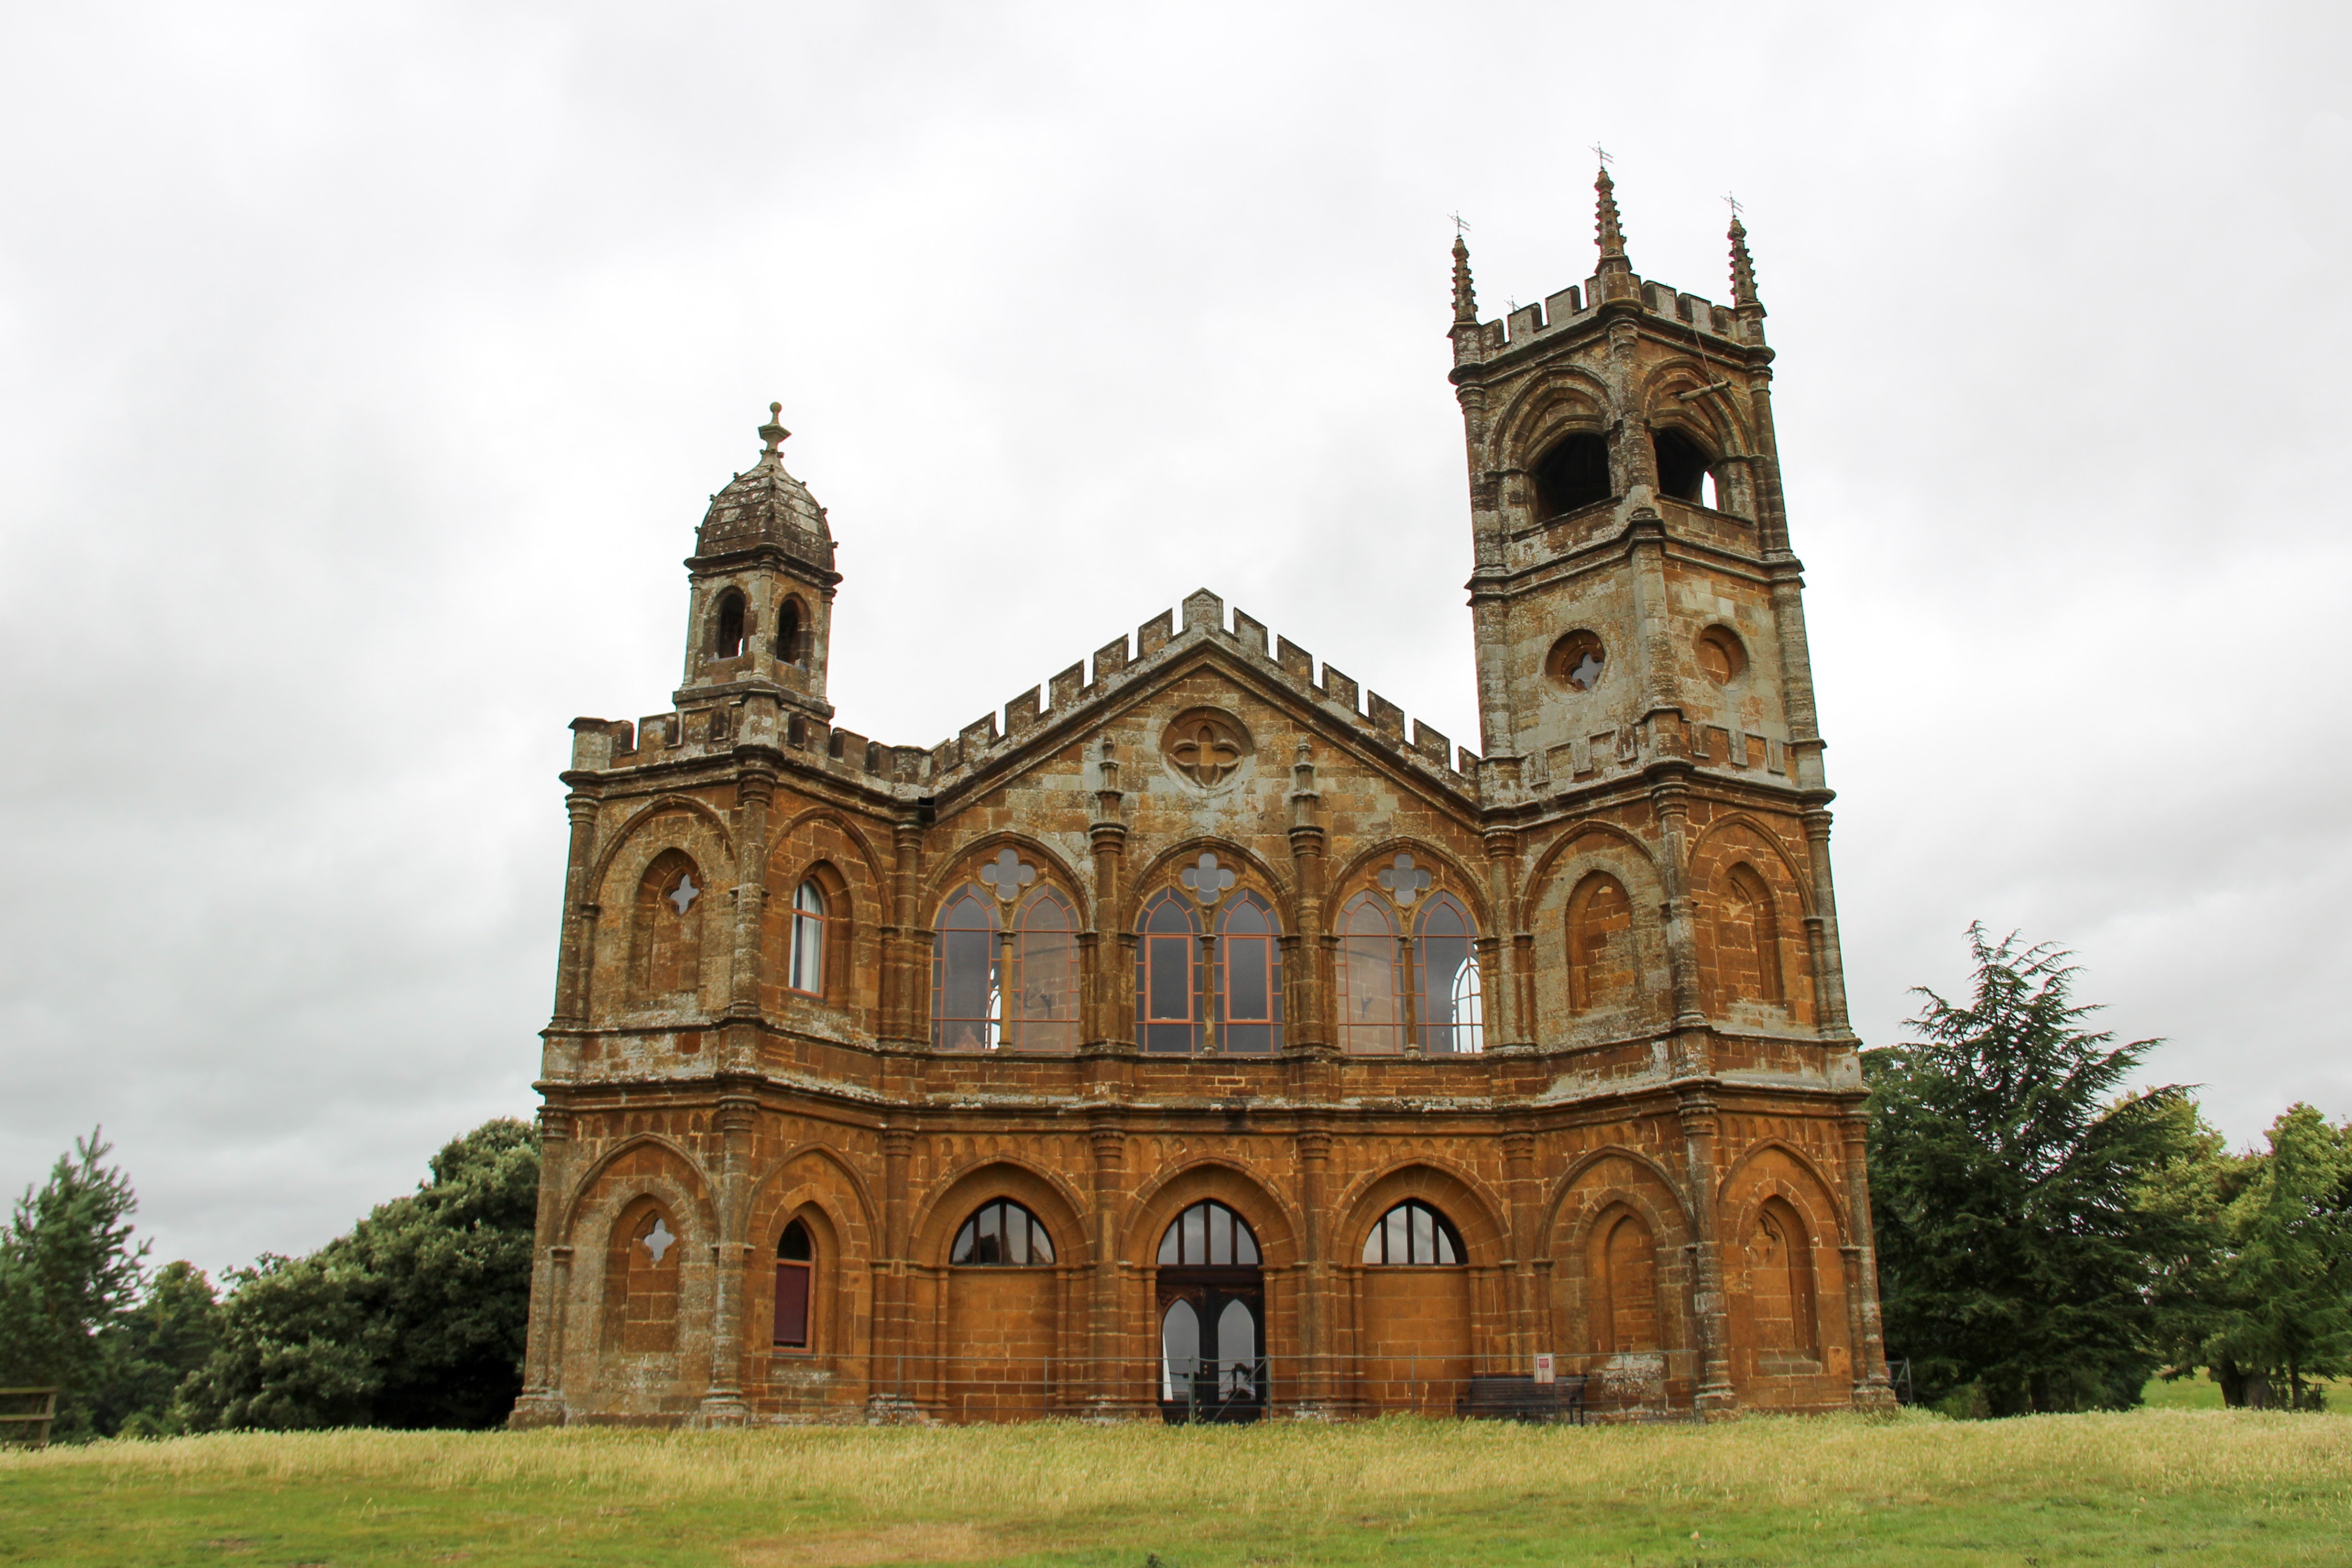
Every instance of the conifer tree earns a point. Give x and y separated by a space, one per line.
69 1273
2006 1169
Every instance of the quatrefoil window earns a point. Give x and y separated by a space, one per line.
683 894
1206 879
657 1240
1206 748
1404 881
1007 874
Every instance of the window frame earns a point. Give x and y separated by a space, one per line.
801 923
1425 1033
803 1270
1019 1030
1149 945
1398 1028
1269 944
1033 1234
1442 1234
991 1025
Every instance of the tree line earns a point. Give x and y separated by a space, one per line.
2047 1242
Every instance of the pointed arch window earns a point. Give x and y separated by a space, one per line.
1574 473
1043 1012
1209 1235
809 921
1601 968
1248 981
1445 959
730 625
1414 1234
967 993
666 943
1002 1235
1372 984
1167 1004
1748 940
791 633
795 1274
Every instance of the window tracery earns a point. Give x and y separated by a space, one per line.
1372 984
1002 1234
967 995
1414 1234
1167 1011
1248 981
1043 1014
1445 958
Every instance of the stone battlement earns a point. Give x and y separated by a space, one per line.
1117 665
1580 301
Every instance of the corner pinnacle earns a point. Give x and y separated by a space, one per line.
1466 297
1607 229
1743 267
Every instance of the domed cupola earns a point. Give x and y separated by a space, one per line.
764 505
761 615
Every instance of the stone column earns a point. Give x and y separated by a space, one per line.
1313 1145
893 1330
903 1020
576 951
1670 799
542 1404
1306 984
722 1402
1525 1243
754 789
1114 978
1708 1312
1821 928
1506 1023
1104 1374
1871 1389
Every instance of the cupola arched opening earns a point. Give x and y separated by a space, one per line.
1685 472
730 625
1574 473
791 633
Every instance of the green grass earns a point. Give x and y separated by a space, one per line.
2207 1487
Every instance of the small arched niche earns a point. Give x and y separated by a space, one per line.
1573 472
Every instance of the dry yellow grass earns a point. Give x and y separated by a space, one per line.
806 1498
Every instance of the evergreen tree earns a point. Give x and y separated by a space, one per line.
2006 1172
157 1343
69 1273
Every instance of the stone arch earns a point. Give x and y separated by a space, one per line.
663 1379
648 1156
1477 1213
1567 398
974 1181
1726 431
1162 869
1462 881
1277 1226
1566 867
822 844
1708 848
1623 1301
961 866
672 825
1784 1280
700 814
1755 960
1590 1201
813 1185
860 1215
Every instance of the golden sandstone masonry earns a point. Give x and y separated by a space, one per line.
1203 1040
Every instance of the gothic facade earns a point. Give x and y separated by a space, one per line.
1201 1038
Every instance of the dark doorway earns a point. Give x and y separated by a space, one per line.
1211 1313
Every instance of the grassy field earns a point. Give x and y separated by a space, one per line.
2208 1487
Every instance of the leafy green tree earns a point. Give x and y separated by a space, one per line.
69 1273
2277 1300
415 1319
2006 1171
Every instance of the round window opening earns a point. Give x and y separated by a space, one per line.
1721 654
1205 747
1578 661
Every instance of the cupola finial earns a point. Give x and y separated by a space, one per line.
773 431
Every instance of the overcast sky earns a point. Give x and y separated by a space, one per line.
365 370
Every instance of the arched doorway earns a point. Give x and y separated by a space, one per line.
1212 1318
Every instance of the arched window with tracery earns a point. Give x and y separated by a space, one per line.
1602 969
1445 961
1414 1234
1042 1014
1624 1279
666 942
1747 939
1248 981
728 624
641 1270
792 640
1002 1234
1167 950
967 993
1370 985
795 1282
808 943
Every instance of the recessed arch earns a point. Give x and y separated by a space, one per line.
1476 1212
1275 1225
961 866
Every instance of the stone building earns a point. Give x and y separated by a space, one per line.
1199 1038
